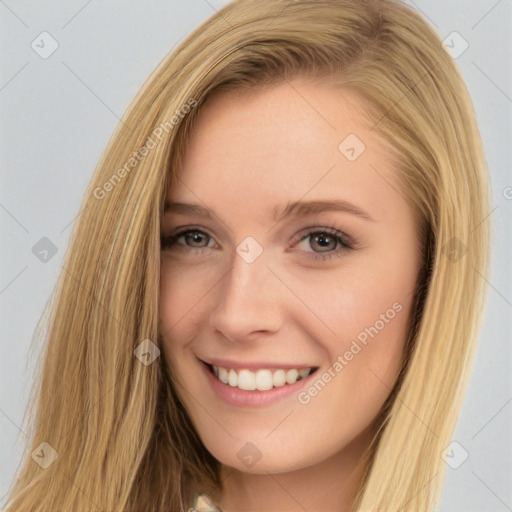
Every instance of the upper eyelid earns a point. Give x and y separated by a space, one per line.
185 229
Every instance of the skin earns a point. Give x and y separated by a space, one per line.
248 154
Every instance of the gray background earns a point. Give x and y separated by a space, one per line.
58 113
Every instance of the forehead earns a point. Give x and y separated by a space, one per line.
255 150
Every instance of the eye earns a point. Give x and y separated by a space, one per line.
329 241
197 239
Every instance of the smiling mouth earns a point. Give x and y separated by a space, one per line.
259 380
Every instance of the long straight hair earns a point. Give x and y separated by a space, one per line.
123 439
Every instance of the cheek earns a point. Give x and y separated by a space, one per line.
176 302
365 361
183 296
363 301
368 310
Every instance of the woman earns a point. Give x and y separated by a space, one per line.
208 338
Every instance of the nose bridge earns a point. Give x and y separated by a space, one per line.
248 299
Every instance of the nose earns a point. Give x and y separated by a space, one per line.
249 301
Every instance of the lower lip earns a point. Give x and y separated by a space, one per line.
240 398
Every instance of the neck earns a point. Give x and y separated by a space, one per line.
328 486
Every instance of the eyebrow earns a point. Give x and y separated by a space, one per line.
297 208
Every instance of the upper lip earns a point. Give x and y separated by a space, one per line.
254 365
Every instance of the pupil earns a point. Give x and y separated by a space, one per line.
196 237
323 240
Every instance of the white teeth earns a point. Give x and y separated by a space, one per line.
246 380
279 378
222 374
232 378
291 376
261 380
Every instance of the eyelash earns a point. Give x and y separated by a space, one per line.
338 236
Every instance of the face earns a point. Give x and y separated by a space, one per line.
284 326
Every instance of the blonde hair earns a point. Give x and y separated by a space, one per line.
123 438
